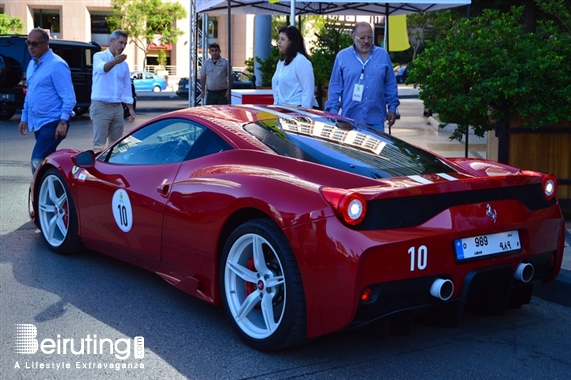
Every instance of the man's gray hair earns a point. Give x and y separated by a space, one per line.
118 33
362 23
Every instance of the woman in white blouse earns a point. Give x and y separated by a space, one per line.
293 82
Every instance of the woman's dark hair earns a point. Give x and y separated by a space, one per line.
296 44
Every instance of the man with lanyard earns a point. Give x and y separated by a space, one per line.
214 78
50 99
363 84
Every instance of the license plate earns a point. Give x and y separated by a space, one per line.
9 97
485 245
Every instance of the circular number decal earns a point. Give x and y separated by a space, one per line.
122 210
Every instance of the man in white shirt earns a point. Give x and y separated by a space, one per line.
111 87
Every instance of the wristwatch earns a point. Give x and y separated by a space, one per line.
63 121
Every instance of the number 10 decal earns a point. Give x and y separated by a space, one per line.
418 258
122 210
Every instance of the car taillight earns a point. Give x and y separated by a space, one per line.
350 206
548 183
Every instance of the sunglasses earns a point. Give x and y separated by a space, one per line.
34 43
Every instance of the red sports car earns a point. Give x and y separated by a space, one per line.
301 223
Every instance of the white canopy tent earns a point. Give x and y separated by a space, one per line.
325 7
294 8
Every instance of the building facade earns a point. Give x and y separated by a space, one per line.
86 21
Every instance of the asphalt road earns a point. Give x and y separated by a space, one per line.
78 297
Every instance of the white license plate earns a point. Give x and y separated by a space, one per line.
186 86
10 97
485 245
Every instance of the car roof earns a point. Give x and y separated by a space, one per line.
55 41
245 113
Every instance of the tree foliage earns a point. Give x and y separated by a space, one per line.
145 20
10 25
489 68
331 38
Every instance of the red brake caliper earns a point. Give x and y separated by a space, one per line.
250 286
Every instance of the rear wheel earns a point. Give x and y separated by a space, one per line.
261 287
157 89
56 214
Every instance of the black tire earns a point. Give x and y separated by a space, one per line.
6 114
56 214
246 282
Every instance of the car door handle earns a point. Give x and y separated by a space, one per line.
164 187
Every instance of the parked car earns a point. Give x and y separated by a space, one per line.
301 222
241 81
147 81
14 59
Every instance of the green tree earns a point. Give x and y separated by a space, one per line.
488 68
144 20
332 37
162 59
10 25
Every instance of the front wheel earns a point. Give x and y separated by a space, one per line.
56 214
262 290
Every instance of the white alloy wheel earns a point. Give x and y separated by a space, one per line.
56 214
261 287
255 286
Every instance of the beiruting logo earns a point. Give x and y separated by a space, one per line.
26 343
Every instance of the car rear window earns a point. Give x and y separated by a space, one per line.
345 145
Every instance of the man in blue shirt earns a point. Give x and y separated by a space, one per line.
363 83
50 97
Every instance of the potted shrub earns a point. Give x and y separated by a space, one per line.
487 73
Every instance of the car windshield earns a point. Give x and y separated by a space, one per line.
345 145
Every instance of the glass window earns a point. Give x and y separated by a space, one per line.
166 141
99 24
344 145
47 19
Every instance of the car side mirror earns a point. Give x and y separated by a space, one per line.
84 159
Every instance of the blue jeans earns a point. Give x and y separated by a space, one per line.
46 143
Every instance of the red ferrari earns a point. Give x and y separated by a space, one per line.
301 223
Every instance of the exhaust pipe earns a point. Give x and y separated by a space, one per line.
442 289
524 272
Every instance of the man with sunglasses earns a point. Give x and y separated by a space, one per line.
50 97
363 84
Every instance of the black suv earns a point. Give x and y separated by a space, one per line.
14 59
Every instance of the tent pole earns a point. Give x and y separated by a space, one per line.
292 12
192 63
230 73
